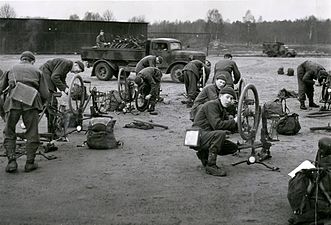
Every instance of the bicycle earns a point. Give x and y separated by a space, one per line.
79 99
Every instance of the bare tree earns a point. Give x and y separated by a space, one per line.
108 15
6 11
93 16
214 23
249 17
74 17
137 19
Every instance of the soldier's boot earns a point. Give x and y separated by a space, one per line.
30 164
189 103
212 168
10 151
151 108
203 156
312 103
302 105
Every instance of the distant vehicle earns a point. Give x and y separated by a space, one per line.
278 49
106 61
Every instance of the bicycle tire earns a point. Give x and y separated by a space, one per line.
76 105
141 103
122 84
101 102
247 131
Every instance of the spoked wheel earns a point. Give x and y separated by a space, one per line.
141 102
125 86
101 101
241 86
248 112
77 92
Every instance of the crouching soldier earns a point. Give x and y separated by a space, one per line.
215 122
151 78
28 108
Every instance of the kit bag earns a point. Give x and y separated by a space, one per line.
100 134
288 124
24 93
273 107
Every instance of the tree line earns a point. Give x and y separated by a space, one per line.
213 28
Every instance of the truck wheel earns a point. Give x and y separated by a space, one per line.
103 71
176 73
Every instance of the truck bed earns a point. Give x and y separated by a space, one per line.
112 54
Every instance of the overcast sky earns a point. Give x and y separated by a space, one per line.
158 10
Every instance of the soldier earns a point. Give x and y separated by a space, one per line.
148 61
25 73
192 73
228 67
100 40
151 77
214 122
307 72
210 92
55 72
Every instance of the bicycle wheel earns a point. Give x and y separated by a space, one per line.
77 92
248 112
241 86
141 103
122 84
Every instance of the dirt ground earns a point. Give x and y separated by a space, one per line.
153 178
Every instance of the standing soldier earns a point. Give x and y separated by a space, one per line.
27 74
228 67
55 72
151 77
192 73
307 72
148 61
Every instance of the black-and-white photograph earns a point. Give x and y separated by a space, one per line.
155 112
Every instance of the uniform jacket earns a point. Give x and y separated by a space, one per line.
227 67
147 61
55 72
25 73
213 116
100 39
210 92
194 66
308 71
152 77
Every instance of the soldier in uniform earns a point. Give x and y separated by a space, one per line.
307 72
209 92
151 78
100 40
215 122
148 61
228 67
55 72
25 73
192 73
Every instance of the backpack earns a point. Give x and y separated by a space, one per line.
116 103
100 134
288 124
273 107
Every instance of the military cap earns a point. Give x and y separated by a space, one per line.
228 90
28 55
81 65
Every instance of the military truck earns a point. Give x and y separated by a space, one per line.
277 49
107 61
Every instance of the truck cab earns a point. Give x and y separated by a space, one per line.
174 57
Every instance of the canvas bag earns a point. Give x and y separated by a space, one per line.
23 93
273 107
288 124
100 134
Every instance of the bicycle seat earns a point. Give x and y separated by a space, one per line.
87 81
57 94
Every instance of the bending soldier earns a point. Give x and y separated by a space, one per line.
150 77
55 72
307 72
228 67
27 74
192 73
214 122
148 61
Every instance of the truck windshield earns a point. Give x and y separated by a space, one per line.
175 46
